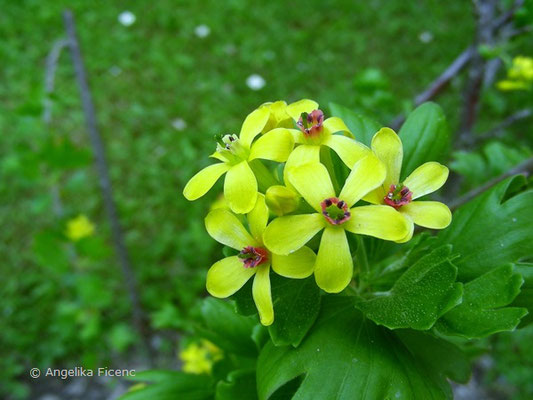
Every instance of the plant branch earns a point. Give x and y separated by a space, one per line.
525 168
498 130
105 182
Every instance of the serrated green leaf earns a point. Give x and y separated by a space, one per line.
525 297
296 306
240 385
171 385
437 353
348 357
420 296
227 329
492 230
481 313
361 126
424 136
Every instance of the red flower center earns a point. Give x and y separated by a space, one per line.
311 124
399 195
253 256
335 211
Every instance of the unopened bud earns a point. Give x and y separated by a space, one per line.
281 200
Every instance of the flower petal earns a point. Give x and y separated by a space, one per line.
426 179
312 181
334 265
367 174
388 147
275 145
204 180
335 124
347 149
302 154
258 218
225 228
376 196
262 295
240 188
287 234
409 235
297 108
297 265
429 214
227 276
383 222
253 125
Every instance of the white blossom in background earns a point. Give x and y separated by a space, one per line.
115 70
425 37
179 124
255 82
202 31
126 18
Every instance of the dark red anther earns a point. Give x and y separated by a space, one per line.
251 256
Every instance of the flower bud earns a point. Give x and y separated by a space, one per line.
281 200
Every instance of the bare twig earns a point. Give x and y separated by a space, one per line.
485 35
503 23
105 182
440 83
498 130
525 168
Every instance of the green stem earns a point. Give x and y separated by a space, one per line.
362 262
264 177
325 157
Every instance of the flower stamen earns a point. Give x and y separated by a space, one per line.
230 147
398 195
251 256
311 124
335 211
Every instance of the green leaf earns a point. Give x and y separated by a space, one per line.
50 252
244 302
420 296
361 126
348 357
492 230
424 136
227 329
437 353
480 314
171 385
525 297
296 306
240 385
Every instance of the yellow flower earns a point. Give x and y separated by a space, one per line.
519 76
283 115
426 179
79 228
198 358
335 215
235 153
230 274
315 132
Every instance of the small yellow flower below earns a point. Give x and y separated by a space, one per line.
79 228
198 358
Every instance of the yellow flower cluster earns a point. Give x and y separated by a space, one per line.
79 228
519 76
301 196
199 357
